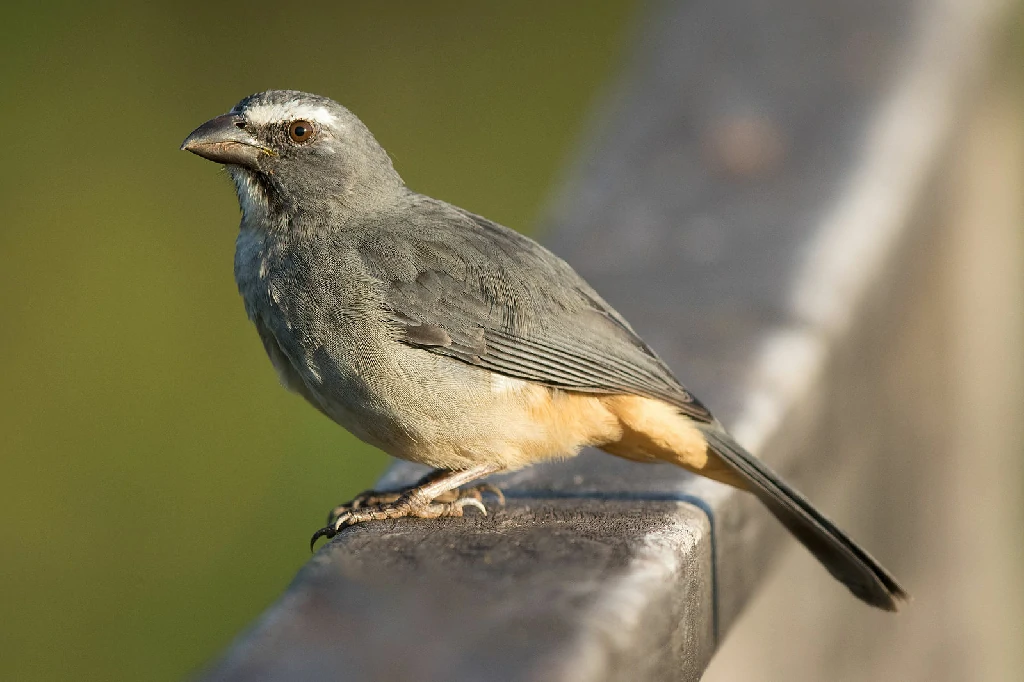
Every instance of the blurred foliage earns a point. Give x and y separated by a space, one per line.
158 486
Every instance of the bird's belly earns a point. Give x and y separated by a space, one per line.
452 415
433 410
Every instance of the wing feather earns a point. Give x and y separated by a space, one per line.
459 285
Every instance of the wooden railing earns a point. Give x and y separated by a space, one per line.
774 195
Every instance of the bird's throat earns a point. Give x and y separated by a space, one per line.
253 195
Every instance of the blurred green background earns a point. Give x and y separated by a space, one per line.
147 443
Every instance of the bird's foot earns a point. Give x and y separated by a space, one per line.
377 506
375 498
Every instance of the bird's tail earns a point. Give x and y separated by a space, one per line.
843 558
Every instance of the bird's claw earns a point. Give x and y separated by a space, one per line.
373 498
325 532
492 489
469 502
399 505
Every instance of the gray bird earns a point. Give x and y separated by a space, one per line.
446 339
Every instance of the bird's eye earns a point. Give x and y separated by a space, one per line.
300 131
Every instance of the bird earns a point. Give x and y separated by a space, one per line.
446 339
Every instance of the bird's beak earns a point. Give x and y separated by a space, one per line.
224 140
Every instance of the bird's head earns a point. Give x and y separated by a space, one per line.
293 153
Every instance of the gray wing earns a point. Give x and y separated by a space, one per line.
462 286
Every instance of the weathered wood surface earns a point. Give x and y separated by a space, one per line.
759 199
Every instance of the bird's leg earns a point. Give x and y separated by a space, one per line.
435 495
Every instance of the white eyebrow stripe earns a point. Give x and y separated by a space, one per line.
263 114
